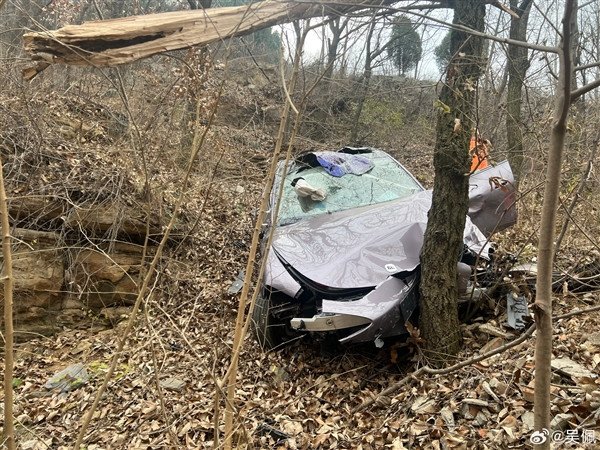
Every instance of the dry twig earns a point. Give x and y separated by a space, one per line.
195 149
8 279
467 362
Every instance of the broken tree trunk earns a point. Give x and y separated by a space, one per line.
119 41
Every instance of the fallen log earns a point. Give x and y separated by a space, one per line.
114 42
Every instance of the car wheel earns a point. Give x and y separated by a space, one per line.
266 328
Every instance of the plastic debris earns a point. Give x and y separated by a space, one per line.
517 310
238 283
68 379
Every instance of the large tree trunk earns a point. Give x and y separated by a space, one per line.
120 41
444 235
517 63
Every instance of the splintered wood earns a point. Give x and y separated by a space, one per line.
118 41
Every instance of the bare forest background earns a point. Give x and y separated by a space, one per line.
136 188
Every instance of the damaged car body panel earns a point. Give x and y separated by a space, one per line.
492 198
387 308
346 246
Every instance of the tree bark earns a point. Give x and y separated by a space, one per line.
575 54
446 220
543 300
517 65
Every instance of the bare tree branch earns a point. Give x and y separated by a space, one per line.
569 211
543 48
584 89
467 362
587 66
504 8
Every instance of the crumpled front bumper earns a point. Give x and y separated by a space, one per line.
328 322
381 313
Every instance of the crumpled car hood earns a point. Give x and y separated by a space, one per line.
360 248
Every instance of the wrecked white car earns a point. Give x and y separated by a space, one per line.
345 252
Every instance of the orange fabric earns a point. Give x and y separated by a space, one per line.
479 149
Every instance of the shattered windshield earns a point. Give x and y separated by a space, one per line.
385 181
